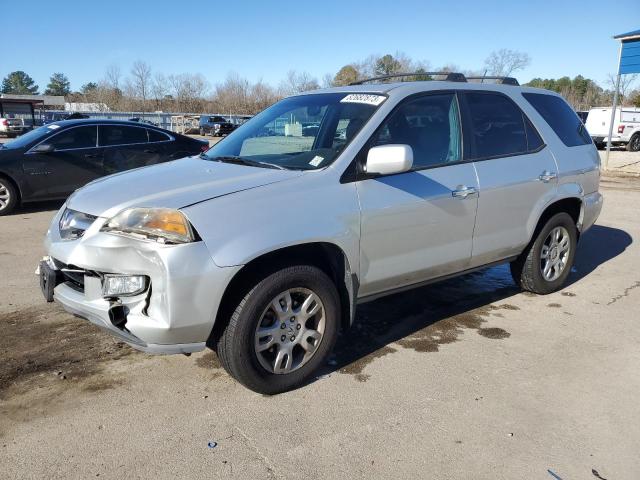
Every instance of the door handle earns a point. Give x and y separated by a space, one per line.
91 155
547 176
148 150
462 192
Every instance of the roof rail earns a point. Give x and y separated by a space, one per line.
500 80
449 77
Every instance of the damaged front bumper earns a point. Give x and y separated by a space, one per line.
175 312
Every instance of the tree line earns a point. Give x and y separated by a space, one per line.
143 90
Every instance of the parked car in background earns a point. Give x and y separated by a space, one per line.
626 127
52 161
263 246
11 126
50 117
216 126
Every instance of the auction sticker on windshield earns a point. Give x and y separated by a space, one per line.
367 98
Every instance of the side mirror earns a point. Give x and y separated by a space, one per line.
44 148
389 159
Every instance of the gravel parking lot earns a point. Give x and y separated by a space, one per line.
466 379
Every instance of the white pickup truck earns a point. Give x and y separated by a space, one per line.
12 127
626 127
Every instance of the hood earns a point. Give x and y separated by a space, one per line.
173 184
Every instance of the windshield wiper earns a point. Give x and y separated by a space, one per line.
245 161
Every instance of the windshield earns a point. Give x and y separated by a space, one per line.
304 132
31 136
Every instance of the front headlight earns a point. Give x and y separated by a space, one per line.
163 225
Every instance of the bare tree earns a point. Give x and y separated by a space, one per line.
505 62
140 83
112 76
626 82
297 82
189 91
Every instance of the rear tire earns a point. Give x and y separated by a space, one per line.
634 143
273 343
8 197
545 264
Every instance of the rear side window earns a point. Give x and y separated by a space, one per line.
156 136
560 117
497 125
121 135
79 137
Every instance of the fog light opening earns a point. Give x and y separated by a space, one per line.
118 316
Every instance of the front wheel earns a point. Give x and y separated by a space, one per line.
282 331
546 262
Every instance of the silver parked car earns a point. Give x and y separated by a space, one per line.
262 247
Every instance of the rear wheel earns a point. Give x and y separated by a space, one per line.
546 263
282 331
634 143
202 132
8 196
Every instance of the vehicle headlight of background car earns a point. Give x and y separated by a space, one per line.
163 225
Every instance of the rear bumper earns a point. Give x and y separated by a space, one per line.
591 208
615 140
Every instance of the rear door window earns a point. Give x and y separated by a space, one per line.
78 137
560 117
497 125
111 135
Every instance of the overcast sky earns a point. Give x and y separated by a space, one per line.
265 39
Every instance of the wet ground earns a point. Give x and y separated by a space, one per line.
467 378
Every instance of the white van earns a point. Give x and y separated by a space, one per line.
626 127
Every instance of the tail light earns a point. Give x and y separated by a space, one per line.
621 129
5 122
204 147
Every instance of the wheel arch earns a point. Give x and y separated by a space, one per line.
328 257
571 205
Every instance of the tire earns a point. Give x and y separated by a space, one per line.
239 343
202 132
8 197
528 269
634 143
601 146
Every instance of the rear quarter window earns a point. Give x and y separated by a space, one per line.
561 118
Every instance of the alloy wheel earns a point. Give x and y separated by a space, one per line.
290 330
5 196
555 253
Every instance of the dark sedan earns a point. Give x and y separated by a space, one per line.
51 162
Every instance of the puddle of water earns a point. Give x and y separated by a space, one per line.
426 318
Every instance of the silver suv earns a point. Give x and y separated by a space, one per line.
262 247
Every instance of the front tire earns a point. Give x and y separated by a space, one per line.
8 197
546 262
282 331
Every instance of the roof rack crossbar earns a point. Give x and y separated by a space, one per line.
499 79
449 77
